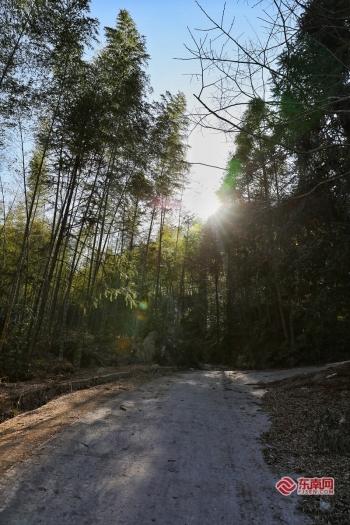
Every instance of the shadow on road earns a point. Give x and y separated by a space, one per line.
180 450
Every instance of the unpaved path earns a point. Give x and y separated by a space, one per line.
181 450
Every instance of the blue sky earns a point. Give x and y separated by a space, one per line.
164 24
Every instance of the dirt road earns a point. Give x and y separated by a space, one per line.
181 450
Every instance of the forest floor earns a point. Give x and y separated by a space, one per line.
310 435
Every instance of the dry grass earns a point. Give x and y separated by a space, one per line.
310 435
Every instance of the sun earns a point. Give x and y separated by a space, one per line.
208 205
201 200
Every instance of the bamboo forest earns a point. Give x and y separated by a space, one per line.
97 251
